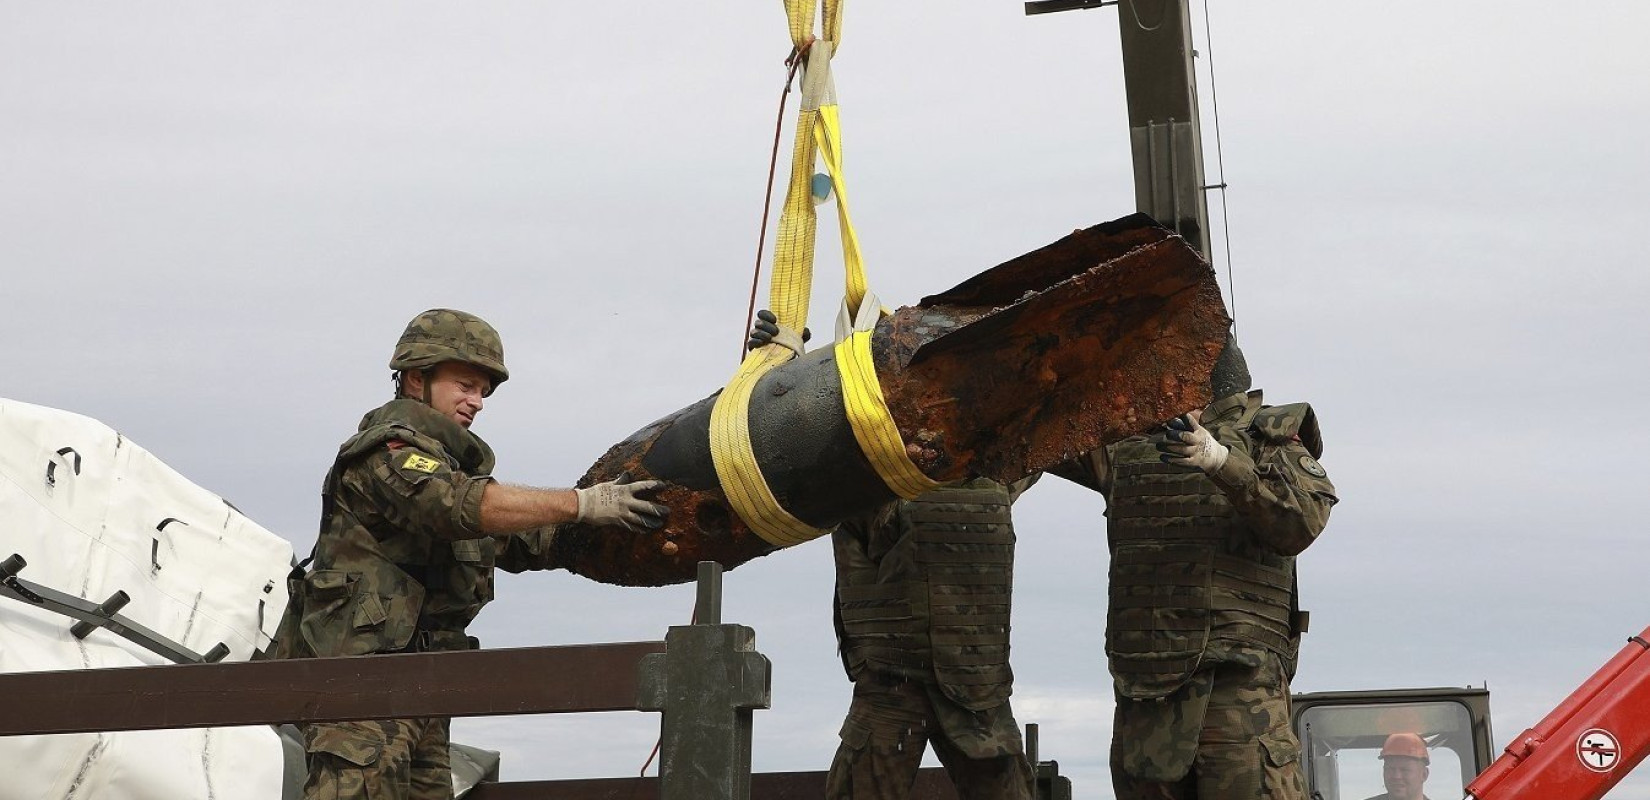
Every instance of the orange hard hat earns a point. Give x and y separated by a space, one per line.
1408 745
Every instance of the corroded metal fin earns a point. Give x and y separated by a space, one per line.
1027 365
1050 355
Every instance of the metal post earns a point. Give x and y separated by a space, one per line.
707 609
1160 84
1161 87
705 685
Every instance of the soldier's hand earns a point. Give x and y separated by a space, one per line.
768 331
617 502
1188 444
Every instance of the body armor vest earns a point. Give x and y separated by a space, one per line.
1185 571
939 607
408 591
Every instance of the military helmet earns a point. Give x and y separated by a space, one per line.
1231 372
442 334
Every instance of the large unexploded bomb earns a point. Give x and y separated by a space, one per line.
1091 339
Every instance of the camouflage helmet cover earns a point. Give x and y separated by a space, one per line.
442 334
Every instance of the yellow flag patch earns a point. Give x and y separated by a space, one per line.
420 463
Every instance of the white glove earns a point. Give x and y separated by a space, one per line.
1188 444
616 503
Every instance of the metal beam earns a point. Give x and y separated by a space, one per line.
1161 87
475 683
1034 7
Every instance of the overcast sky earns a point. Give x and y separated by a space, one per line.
217 217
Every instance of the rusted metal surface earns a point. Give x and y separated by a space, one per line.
932 784
533 680
1091 339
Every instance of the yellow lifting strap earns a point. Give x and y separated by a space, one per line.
818 132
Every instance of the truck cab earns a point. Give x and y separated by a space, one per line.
1341 735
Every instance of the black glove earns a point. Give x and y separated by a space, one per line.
768 331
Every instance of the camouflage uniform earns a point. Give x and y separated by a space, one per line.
401 565
922 618
1202 628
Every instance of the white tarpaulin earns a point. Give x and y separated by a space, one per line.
93 513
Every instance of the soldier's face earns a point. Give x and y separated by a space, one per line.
1403 777
456 391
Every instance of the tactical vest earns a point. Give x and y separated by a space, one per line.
375 588
1185 571
939 610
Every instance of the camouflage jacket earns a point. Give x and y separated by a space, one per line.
401 562
923 591
1203 566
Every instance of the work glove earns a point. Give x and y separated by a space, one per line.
617 503
769 331
1188 444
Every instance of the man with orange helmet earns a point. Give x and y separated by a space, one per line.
1404 767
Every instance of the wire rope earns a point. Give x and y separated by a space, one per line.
1220 166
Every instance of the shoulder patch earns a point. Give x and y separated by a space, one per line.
419 463
1311 466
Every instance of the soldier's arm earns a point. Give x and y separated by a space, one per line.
529 550
850 543
1280 491
1020 486
507 509
415 491
1091 470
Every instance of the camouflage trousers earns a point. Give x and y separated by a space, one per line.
891 723
1226 733
392 759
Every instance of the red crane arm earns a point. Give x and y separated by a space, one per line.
1585 745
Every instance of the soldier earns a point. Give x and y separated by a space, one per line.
412 525
1404 767
922 620
1205 518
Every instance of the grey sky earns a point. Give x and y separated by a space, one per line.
217 217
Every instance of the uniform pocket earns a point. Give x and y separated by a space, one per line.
854 735
370 611
358 743
474 576
1281 749
467 551
1281 772
343 616
327 614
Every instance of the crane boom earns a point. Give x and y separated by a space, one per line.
1587 744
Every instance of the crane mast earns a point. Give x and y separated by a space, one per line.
1160 87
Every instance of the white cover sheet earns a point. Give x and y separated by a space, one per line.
198 572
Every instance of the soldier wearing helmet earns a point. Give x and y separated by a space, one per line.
412 526
1205 516
1404 767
